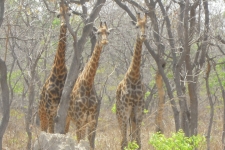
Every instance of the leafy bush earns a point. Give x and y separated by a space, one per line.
178 141
113 109
131 146
147 94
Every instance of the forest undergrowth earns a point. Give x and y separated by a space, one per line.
108 134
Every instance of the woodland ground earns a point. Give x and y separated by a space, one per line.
108 135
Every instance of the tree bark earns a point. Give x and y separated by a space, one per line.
150 97
5 100
190 77
223 96
4 87
2 8
161 102
31 95
211 105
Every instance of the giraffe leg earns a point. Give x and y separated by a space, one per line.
78 132
123 129
81 129
51 124
92 133
136 120
43 119
67 124
92 124
52 114
122 114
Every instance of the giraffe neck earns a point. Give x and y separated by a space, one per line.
134 70
59 62
92 65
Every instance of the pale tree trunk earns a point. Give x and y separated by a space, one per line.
31 95
180 88
74 69
192 84
5 100
2 8
199 61
150 97
31 98
211 105
223 96
161 102
4 88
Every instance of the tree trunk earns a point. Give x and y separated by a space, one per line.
150 97
223 96
211 105
5 100
4 87
161 102
31 95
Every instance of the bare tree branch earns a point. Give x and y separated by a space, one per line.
51 11
220 39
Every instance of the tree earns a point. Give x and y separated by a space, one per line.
4 87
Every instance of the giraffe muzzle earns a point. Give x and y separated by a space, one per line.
143 37
105 42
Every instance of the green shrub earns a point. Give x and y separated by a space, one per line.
113 109
178 141
131 146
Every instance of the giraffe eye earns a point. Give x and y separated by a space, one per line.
137 27
98 33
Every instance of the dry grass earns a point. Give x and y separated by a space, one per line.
108 136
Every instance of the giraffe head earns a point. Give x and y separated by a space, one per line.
102 33
141 25
64 9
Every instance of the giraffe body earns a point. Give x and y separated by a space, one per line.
52 89
84 104
130 93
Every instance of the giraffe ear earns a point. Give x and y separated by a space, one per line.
110 29
58 14
95 29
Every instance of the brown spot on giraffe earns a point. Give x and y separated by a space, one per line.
84 105
130 92
52 89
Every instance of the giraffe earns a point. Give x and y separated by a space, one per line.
83 99
52 89
130 91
